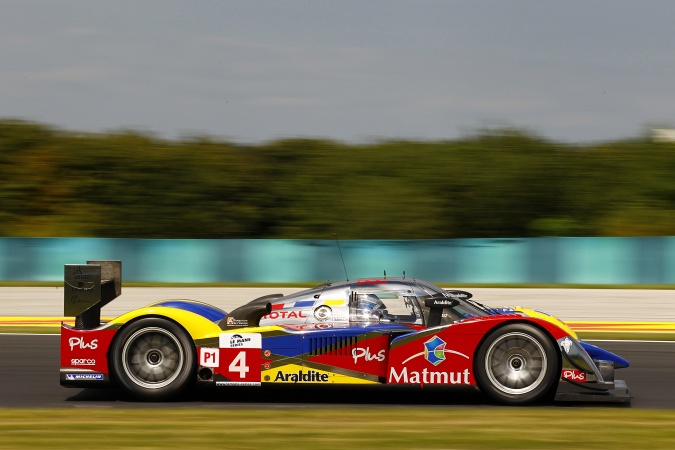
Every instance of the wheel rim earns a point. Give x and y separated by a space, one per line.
152 357
516 363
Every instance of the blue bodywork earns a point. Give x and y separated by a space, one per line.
598 353
207 311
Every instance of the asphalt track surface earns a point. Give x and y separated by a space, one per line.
29 377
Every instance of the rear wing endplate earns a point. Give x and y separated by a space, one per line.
89 287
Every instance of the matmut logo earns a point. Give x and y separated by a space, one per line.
435 353
434 350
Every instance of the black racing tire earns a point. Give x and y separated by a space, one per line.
153 359
517 364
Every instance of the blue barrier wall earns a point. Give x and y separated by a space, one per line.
537 260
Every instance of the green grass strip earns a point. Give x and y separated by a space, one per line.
356 428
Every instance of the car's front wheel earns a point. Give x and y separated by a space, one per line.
517 364
153 359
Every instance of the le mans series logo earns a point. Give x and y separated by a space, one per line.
434 352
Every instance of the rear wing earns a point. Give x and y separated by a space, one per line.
89 287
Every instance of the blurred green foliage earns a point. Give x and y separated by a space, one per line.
497 183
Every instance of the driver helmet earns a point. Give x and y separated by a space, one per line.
367 304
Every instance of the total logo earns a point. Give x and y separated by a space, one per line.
80 343
285 315
435 353
364 353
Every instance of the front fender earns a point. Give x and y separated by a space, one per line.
548 318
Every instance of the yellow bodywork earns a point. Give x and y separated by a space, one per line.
197 326
292 373
552 319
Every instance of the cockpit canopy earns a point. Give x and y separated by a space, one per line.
396 300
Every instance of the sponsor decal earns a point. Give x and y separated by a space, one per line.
84 376
78 274
80 343
209 357
323 313
574 375
231 321
443 302
311 376
434 350
457 294
310 326
239 358
82 362
274 315
240 340
373 281
427 377
434 353
267 353
237 340
437 345
238 383
566 344
364 353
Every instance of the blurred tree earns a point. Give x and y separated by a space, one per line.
498 183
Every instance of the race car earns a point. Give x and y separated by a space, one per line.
383 331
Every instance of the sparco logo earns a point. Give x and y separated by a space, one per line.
80 343
82 362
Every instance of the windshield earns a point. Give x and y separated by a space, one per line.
464 310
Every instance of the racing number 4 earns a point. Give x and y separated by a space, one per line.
238 365
240 359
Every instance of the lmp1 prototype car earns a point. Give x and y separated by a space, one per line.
386 331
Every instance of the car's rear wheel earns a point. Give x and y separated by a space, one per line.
153 359
517 364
